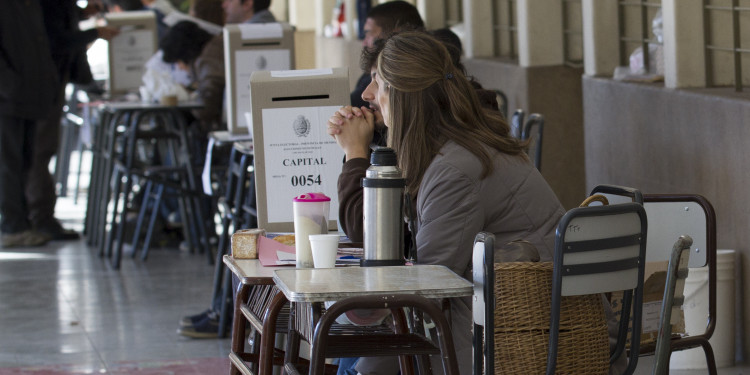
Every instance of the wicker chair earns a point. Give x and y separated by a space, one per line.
597 249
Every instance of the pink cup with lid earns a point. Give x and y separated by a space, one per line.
311 212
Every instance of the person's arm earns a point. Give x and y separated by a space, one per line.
209 76
351 198
353 129
450 216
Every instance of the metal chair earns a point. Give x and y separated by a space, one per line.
671 216
516 123
502 102
533 130
672 301
598 249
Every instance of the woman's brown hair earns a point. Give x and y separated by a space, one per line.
432 102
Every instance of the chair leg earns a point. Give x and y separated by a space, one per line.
141 217
152 221
225 295
117 248
106 245
219 265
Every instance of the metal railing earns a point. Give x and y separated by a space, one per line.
505 28
644 33
454 13
572 33
735 49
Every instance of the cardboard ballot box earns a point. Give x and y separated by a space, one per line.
130 50
293 152
249 48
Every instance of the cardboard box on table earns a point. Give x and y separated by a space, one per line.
293 152
248 48
130 49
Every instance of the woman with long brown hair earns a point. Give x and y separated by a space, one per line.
466 172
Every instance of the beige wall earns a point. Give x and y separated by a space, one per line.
675 141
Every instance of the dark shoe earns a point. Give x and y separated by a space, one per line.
207 328
55 231
192 320
27 238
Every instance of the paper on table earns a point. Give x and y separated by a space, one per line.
269 250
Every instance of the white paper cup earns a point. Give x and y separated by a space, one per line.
324 247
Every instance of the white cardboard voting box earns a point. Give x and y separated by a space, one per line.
293 152
248 48
130 49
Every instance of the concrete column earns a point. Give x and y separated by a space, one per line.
280 10
432 12
305 15
684 53
540 36
601 54
478 29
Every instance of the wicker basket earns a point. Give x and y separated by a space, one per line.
522 294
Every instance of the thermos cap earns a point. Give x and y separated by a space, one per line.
312 197
383 156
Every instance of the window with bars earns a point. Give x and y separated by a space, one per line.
505 28
572 17
635 28
454 13
727 54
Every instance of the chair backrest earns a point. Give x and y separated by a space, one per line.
671 216
672 301
533 130
516 123
601 249
502 102
618 194
483 303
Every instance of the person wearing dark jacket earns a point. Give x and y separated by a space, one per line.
28 84
67 45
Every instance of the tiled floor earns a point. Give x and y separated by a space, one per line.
63 310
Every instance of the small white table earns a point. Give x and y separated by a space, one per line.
389 287
331 284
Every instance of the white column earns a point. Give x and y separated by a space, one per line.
478 35
319 10
540 35
684 53
601 53
279 10
432 12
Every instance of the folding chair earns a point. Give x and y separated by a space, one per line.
671 216
532 130
598 249
672 301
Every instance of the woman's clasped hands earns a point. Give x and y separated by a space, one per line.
353 129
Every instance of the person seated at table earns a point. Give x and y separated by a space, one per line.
349 187
462 167
196 51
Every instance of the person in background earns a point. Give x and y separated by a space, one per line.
27 95
206 323
194 50
349 187
67 45
248 11
381 21
464 170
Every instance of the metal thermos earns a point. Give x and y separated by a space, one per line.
383 210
